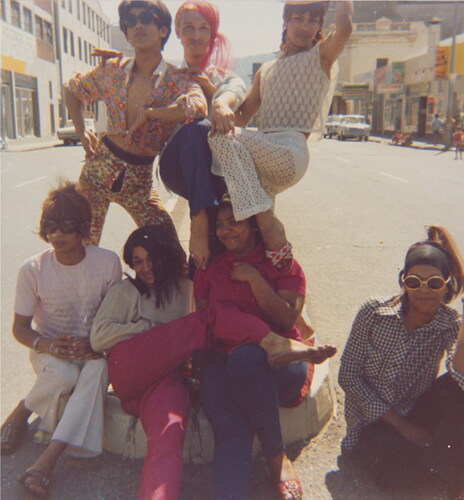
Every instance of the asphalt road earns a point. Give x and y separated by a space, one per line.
351 219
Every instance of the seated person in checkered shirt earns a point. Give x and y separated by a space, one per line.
405 425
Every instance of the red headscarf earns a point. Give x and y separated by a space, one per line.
220 50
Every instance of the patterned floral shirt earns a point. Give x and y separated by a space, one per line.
383 367
110 81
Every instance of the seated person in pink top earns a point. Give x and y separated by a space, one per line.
241 392
57 295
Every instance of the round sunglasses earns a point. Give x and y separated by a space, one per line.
66 226
413 282
145 17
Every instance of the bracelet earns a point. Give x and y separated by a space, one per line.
34 344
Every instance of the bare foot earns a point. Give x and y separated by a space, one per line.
282 351
199 244
285 477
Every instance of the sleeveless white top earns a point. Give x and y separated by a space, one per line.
296 94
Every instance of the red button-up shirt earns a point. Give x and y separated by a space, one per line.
215 283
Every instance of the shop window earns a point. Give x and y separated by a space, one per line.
15 14
25 111
7 112
27 20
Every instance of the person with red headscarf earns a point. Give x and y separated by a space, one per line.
185 164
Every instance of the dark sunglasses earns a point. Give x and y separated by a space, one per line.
145 17
413 282
66 226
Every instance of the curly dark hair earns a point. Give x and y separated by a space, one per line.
167 258
157 7
66 202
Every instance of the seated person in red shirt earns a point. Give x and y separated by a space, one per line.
241 393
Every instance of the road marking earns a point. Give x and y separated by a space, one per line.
400 179
31 181
342 159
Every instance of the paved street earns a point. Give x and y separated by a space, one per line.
350 219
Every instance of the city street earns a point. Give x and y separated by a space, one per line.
351 220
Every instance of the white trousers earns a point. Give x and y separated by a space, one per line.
80 424
256 166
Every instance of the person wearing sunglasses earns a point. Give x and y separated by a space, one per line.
404 422
57 295
117 170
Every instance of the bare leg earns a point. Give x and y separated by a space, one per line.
272 230
199 244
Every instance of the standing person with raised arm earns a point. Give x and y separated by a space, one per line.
57 295
293 95
115 169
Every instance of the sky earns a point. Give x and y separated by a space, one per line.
252 26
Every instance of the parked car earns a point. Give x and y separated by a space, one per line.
353 127
68 133
331 125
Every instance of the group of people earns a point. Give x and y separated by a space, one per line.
86 327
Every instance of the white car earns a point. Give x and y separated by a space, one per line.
353 127
68 133
331 125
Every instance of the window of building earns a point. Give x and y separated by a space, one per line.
79 47
86 58
71 42
93 20
400 26
63 4
50 90
84 12
65 40
70 8
366 27
39 30
25 111
3 6
27 20
15 14
48 32
78 9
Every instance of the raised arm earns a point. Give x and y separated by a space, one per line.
251 104
333 45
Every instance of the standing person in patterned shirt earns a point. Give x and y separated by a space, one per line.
293 95
115 170
404 424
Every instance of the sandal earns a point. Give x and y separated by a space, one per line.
36 483
290 490
12 433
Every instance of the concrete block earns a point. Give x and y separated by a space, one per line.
124 434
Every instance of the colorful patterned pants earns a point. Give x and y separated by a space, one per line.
133 191
256 166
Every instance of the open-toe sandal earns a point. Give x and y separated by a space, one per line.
12 433
290 490
36 483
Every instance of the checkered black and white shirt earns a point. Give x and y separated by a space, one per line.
383 367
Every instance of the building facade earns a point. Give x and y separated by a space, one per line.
43 42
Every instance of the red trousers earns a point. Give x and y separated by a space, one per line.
144 373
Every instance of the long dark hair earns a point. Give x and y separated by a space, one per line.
317 9
167 259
